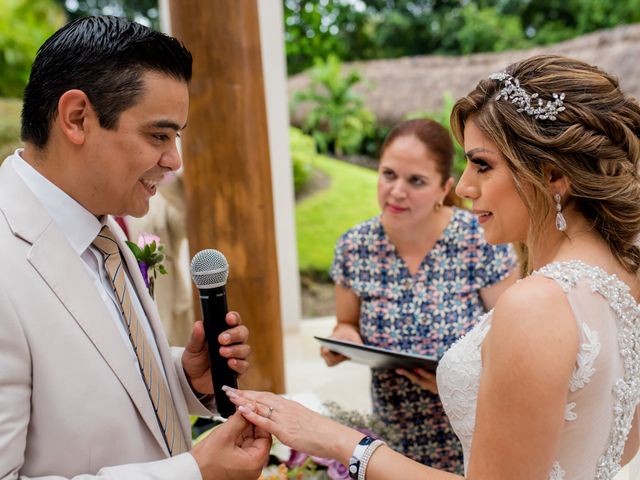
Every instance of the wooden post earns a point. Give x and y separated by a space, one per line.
227 169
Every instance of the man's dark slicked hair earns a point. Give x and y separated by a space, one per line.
103 56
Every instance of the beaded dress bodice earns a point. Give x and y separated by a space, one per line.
604 391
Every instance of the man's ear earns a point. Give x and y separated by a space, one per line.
558 183
74 110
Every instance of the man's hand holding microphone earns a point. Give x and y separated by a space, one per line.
217 351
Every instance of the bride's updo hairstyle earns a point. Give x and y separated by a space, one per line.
590 135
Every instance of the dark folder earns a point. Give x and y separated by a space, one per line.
377 357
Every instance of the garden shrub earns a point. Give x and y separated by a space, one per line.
303 151
24 26
9 126
337 119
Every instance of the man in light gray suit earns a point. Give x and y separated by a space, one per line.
88 384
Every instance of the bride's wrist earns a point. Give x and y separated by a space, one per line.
343 443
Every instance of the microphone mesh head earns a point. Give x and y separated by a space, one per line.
209 269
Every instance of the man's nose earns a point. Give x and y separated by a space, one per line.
171 159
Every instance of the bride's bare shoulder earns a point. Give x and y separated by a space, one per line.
534 313
535 293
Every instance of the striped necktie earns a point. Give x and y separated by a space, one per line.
151 372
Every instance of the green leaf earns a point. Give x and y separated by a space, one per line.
137 252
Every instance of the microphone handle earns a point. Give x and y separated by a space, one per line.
214 310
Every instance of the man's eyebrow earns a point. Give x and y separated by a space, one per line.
166 124
473 151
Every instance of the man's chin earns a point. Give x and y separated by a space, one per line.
136 211
139 213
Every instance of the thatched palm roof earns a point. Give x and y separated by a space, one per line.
396 87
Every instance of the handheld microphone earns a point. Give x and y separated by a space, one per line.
209 270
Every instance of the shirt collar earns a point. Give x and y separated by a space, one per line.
79 226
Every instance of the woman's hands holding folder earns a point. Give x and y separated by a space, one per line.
421 377
348 324
342 331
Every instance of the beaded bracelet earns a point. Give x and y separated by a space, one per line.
366 456
360 456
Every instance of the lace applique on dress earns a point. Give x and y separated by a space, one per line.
587 355
557 473
584 369
626 391
459 383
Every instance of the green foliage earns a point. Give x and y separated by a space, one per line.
442 117
152 255
372 143
24 26
9 126
303 151
485 31
145 12
363 30
315 29
324 216
301 174
338 120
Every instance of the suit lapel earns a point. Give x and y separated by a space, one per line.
64 272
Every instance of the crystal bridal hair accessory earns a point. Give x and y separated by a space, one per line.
511 90
561 223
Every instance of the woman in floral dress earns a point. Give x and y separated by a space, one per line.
414 279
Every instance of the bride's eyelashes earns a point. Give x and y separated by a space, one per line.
481 165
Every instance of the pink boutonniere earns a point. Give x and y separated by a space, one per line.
149 253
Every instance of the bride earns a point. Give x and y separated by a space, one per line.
547 385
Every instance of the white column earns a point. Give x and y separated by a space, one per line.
165 18
275 83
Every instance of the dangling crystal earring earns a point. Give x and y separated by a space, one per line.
561 223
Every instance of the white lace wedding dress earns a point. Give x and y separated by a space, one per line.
604 391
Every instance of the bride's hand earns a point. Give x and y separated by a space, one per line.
421 377
295 425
